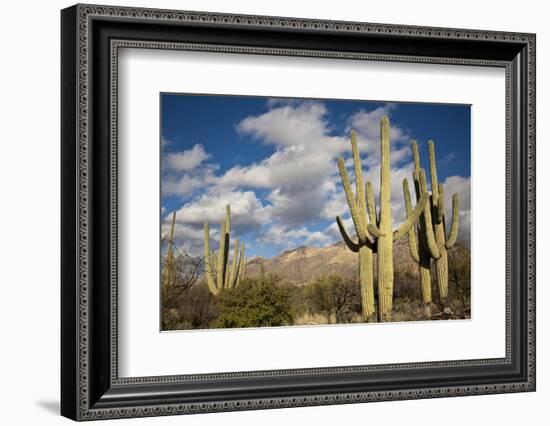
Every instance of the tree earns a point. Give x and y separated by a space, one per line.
187 270
334 295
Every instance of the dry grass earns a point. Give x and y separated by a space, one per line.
314 319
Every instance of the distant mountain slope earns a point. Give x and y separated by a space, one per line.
304 264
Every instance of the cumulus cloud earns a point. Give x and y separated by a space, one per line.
367 126
184 185
461 186
286 238
186 160
279 198
367 123
247 211
301 171
302 174
186 237
288 125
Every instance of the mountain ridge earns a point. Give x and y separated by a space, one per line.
304 264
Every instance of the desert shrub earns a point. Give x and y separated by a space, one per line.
334 296
194 308
459 279
186 271
256 302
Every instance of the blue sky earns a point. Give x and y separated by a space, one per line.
274 161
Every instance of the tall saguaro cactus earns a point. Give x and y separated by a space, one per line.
438 221
168 272
382 231
219 273
368 225
424 247
364 247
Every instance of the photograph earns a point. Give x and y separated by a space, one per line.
343 202
305 212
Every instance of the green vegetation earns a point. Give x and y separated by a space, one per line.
333 299
255 303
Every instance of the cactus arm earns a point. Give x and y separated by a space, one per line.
227 247
227 219
404 228
430 237
244 263
359 183
208 261
243 260
353 246
371 205
213 264
241 267
441 204
227 274
234 265
433 173
416 156
220 268
416 180
413 244
355 215
454 225
385 218
373 230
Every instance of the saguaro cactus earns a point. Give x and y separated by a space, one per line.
378 228
169 272
381 227
424 247
438 222
219 274
364 247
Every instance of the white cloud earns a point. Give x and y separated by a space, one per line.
333 231
367 124
461 186
285 237
335 204
182 186
288 125
186 160
302 172
247 211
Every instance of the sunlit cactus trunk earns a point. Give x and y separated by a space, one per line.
363 246
438 220
385 239
169 273
219 274
366 280
383 232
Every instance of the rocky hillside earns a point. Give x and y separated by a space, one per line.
304 264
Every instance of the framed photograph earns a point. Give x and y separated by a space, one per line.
263 212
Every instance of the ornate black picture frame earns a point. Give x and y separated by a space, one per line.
91 36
